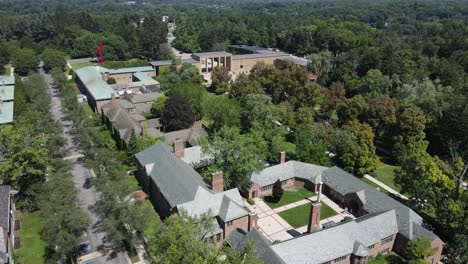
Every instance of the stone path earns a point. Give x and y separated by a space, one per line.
384 186
276 228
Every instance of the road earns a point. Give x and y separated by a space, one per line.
87 197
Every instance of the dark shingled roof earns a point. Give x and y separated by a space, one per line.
177 181
239 239
4 206
376 201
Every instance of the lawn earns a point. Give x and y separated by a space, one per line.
132 183
153 220
299 216
81 64
32 247
386 174
289 196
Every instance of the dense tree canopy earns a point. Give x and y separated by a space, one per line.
177 114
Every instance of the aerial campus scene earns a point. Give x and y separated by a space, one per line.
233 131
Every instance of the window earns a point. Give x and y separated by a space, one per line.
218 237
328 262
385 251
387 240
339 259
229 223
242 66
371 246
284 182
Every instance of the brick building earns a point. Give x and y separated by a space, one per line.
7 225
173 185
382 225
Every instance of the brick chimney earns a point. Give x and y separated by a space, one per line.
217 182
314 218
253 217
282 157
179 148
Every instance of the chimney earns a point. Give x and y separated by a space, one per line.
314 218
179 148
253 217
282 157
217 182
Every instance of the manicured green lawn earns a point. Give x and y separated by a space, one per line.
386 175
299 216
32 247
153 220
289 196
81 64
132 183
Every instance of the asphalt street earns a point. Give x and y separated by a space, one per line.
87 196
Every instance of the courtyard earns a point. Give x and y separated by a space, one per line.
289 217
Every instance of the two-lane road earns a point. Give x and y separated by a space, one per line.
87 196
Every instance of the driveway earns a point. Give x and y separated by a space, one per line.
87 197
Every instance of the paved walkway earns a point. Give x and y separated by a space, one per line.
276 228
383 185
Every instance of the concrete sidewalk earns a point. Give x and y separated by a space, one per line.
384 186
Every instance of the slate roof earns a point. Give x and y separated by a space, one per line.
7 80
91 77
288 170
191 135
177 181
328 244
239 239
3 250
4 206
226 205
121 120
7 92
374 200
6 112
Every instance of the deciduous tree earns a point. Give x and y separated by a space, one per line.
177 114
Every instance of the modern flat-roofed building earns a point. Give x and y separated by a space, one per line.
7 96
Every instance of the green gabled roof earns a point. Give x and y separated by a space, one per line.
6 112
130 70
91 77
7 80
145 79
7 92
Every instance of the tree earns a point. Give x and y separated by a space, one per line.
260 113
182 240
410 137
419 249
352 109
373 84
244 86
220 79
381 115
158 106
236 155
53 59
277 191
320 63
334 95
132 148
313 144
177 114
380 259
221 111
24 61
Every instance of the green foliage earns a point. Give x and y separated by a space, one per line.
192 93
235 154
24 61
251 201
53 58
244 86
214 109
111 81
380 259
277 191
313 144
351 109
158 106
419 249
132 148
176 114
220 80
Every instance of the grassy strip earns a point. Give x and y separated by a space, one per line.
299 216
289 196
32 247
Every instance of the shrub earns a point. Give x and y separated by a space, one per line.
251 201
